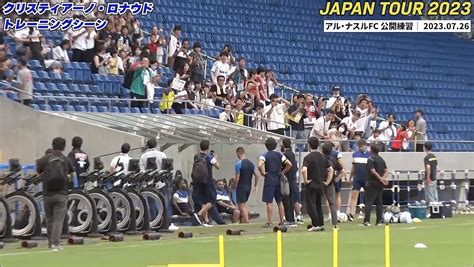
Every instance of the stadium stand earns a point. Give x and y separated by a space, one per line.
400 72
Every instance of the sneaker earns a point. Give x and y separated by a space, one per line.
55 248
197 219
290 224
366 224
207 225
299 219
314 229
173 227
322 229
350 217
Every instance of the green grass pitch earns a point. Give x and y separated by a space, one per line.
450 243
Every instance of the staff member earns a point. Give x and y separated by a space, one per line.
317 173
291 203
431 164
244 170
55 168
378 174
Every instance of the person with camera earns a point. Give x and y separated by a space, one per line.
271 81
321 126
198 63
296 116
351 123
336 95
275 114
182 56
240 75
388 130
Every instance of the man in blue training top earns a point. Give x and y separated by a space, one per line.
244 170
359 176
224 203
270 165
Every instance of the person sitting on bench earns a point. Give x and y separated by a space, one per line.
181 204
224 204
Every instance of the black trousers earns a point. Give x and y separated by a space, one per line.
280 131
419 148
314 205
373 195
137 104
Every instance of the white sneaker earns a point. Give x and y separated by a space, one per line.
173 227
314 229
207 225
56 248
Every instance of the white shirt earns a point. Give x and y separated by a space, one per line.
372 139
173 45
260 123
79 39
224 116
271 87
277 117
60 54
22 34
90 42
351 125
152 153
332 101
123 159
389 133
120 63
218 69
321 126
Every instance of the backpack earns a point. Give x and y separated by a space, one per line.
284 185
200 173
55 174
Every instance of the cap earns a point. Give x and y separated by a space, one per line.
336 88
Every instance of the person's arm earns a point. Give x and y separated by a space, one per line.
427 174
41 165
352 172
261 166
304 174
316 131
215 163
286 102
330 174
255 183
238 165
269 112
288 166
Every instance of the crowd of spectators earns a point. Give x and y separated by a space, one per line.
244 96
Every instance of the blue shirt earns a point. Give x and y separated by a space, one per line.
335 156
245 169
359 160
273 163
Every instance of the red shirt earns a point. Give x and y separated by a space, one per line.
261 87
153 47
311 111
398 140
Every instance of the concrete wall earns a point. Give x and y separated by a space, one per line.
26 133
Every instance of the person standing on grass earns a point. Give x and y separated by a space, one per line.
204 189
56 170
333 190
291 203
378 174
359 175
317 173
244 170
431 165
270 166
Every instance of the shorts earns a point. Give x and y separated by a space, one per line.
271 192
242 194
357 184
204 192
338 186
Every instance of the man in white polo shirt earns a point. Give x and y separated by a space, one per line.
275 114
321 126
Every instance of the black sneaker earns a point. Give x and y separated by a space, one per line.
366 224
350 217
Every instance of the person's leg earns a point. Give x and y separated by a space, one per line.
431 192
353 196
278 199
319 208
59 212
379 207
48 212
235 215
244 213
311 205
267 198
370 196
331 200
337 189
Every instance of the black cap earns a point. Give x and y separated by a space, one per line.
336 88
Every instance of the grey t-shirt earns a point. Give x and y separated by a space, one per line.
421 130
25 79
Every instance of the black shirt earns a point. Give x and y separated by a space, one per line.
220 92
80 160
291 175
431 160
376 162
41 166
317 165
296 126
